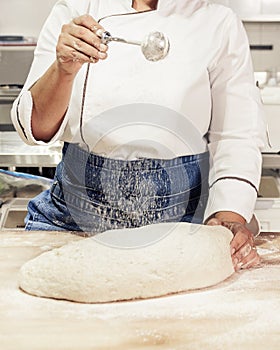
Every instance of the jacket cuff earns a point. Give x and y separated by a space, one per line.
21 117
231 195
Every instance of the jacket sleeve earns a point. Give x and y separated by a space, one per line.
237 129
44 56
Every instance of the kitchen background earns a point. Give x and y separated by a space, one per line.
261 19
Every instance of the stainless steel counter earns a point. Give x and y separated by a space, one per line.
15 153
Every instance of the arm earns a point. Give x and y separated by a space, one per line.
39 112
77 44
50 95
236 135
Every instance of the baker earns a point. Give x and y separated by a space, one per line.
145 142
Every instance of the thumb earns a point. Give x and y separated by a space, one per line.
214 222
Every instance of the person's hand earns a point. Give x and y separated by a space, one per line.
79 43
243 250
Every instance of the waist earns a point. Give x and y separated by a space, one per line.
80 156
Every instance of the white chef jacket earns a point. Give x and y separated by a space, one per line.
202 96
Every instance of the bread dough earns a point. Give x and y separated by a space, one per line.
188 257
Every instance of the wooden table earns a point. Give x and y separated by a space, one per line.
240 313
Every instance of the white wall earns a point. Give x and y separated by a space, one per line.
251 7
270 6
24 17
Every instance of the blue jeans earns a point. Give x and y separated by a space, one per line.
91 193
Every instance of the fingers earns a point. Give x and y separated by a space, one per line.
244 256
86 33
243 251
251 260
242 236
214 222
79 42
86 21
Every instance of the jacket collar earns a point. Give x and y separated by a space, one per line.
183 7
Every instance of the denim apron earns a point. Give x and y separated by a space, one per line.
92 193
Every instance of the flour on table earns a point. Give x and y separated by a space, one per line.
188 257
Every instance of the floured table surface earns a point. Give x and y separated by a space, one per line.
240 313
